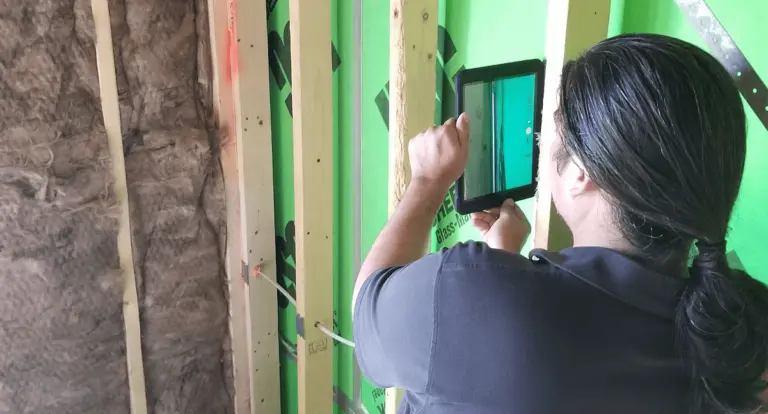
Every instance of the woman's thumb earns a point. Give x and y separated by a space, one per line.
508 208
462 127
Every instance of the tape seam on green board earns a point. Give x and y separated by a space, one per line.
724 48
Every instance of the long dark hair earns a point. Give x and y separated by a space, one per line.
660 128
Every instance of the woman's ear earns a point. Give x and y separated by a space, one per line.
577 179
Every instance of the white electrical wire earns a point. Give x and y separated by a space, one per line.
290 298
276 285
330 333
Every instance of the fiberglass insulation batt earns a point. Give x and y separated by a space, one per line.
62 346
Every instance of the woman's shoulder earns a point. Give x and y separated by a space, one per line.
478 255
470 263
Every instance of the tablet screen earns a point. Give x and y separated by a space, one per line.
501 137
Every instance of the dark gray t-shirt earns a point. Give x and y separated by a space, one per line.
477 330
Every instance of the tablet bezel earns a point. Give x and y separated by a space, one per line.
488 74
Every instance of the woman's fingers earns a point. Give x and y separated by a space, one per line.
485 216
483 221
482 226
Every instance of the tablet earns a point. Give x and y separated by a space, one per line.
504 105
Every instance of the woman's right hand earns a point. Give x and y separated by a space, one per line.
504 228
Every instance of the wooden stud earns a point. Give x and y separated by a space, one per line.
105 60
241 81
250 75
224 107
572 27
412 74
310 22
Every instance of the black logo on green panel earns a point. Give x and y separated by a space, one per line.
271 4
286 271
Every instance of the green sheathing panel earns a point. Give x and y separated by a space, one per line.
471 34
745 22
374 111
282 160
344 178
282 137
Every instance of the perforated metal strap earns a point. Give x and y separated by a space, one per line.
722 46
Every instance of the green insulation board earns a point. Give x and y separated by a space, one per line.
471 34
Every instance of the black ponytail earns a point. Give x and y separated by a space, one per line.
721 322
660 128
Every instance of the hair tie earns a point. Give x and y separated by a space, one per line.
707 247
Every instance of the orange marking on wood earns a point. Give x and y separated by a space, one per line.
231 64
232 48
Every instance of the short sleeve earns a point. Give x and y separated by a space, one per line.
394 324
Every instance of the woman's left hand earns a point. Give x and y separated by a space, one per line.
504 228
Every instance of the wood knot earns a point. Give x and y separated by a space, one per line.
425 16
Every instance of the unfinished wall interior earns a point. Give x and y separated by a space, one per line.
61 303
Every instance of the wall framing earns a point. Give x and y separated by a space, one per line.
412 75
110 108
572 27
312 85
240 80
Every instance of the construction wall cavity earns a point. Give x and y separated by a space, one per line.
61 300
61 322
471 34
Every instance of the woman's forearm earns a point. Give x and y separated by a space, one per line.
405 237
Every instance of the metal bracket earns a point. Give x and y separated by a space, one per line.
244 273
341 399
722 47
734 262
299 325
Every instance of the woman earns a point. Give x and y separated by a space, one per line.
647 163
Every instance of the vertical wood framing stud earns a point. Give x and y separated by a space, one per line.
253 127
310 23
218 15
412 74
105 60
239 54
572 27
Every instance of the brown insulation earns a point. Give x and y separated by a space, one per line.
61 330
